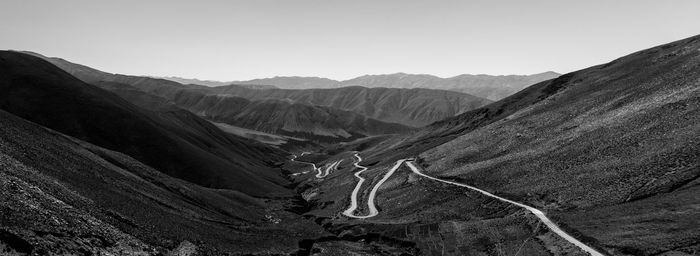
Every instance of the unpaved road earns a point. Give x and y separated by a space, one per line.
415 169
372 194
549 223
294 157
333 166
320 172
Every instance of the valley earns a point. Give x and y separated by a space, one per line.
599 161
572 166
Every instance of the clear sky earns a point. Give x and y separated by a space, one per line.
245 39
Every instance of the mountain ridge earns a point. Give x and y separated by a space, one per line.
409 107
414 107
493 87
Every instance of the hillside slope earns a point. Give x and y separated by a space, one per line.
185 147
61 195
411 107
611 151
614 143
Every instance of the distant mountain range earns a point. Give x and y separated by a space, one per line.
484 86
338 114
285 117
109 164
181 80
412 107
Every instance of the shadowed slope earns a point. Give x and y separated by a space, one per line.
35 89
65 196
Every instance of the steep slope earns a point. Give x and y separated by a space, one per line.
184 147
61 195
610 148
412 107
610 152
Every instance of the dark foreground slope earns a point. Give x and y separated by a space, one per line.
185 147
60 195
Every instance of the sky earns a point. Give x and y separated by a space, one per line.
244 39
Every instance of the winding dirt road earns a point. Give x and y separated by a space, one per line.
372 194
539 214
333 166
294 157
320 172
409 162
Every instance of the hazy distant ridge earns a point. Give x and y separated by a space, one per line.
485 86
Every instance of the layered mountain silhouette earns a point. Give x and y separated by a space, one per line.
196 81
411 107
294 82
355 107
484 86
